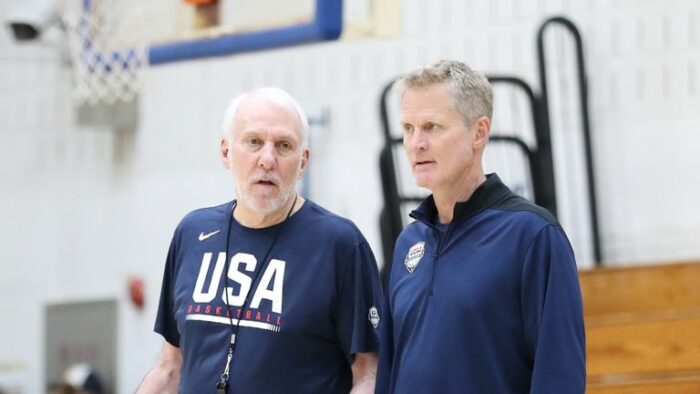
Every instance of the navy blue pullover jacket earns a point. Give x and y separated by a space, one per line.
490 303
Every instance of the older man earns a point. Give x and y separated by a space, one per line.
269 293
483 294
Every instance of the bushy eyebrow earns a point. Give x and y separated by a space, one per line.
289 137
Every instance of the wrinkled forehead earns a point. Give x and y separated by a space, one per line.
430 100
259 113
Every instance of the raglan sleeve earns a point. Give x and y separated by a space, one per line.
165 324
553 314
357 313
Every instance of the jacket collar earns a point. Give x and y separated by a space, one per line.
487 194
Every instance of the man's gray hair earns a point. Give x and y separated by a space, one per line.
277 96
470 89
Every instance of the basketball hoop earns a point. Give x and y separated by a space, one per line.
111 42
106 58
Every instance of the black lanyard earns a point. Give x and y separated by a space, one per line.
222 384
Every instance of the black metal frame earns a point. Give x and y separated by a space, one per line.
585 117
542 165
540 158
390 220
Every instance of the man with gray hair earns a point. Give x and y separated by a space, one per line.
268 293
483 293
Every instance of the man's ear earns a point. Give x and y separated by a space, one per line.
482 130
223 153
304 161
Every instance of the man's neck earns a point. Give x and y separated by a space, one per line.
251 218
445 200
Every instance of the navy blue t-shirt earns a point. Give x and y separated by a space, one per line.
490 305
309 309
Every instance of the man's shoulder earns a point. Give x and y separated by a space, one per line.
529 220
208 219
207 213
329 223
526 210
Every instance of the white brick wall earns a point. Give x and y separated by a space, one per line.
84 208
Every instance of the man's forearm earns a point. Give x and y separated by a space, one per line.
364 373
365 384
160 380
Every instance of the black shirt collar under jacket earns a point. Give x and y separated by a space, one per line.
486 195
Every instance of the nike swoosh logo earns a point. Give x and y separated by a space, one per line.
203 236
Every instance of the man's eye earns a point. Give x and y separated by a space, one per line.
285 146
430 126
407 128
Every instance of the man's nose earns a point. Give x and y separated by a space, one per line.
267 159
417 141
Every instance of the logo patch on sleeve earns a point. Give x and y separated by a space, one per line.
414 255
373 317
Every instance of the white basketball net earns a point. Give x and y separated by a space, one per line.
106 53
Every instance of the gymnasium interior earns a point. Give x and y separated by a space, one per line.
110 121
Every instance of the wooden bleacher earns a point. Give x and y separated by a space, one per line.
643 329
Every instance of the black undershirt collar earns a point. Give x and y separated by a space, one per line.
487 194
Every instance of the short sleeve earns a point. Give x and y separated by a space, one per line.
553 314
357 311
166 325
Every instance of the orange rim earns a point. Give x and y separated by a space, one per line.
199 2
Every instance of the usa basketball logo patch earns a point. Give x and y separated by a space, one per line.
373 316
414 255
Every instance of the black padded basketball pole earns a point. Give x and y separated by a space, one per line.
585 119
